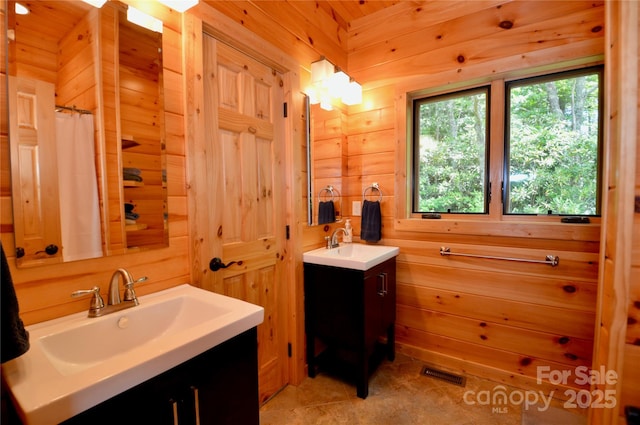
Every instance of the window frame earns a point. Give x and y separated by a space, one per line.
419 100
554 76
494 223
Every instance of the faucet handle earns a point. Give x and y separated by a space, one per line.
97 302
129 292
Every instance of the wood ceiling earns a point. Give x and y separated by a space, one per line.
345 11
66 13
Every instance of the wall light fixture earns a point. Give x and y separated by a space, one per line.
329 84
21 9
95 3
179 5
146 21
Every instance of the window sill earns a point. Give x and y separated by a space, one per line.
518 227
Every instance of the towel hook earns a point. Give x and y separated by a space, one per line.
374 186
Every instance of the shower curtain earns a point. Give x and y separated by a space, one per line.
79 207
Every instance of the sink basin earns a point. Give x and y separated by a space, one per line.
355 256
74 349
76 362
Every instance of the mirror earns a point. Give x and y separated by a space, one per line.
326 163
70 191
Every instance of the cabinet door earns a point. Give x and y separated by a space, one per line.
380 301
373 302
388 275
333 304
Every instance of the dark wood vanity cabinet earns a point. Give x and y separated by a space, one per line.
220 386
351 315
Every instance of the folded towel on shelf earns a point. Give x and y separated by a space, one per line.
326 212
131 170
371 223
15 338
131 177
131 216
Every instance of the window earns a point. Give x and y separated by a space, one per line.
551 139
553 144
450 152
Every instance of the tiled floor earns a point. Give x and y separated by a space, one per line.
399 394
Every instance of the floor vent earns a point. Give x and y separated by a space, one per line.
444 376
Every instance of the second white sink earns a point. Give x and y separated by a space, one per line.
355 256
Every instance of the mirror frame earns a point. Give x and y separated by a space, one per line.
333 139
107 138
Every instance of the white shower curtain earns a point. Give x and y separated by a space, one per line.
79 207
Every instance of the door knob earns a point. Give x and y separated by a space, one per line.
217 264
51 249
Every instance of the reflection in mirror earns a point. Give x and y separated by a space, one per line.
327 163
68 65
142 135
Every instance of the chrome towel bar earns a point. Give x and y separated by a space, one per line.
552 260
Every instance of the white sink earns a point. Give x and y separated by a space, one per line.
76 362
355 256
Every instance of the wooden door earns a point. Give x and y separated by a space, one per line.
34 171
244 127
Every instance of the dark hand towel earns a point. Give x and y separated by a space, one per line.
15 339
326 212
371 224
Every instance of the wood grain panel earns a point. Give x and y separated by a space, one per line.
464 357
553 292
631 377
457 31
558 348
408 17
304 47
529 38
538 317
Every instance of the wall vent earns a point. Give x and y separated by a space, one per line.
444 376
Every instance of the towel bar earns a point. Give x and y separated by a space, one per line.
552 260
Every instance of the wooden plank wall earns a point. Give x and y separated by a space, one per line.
618 330
43 292
497 319
631 375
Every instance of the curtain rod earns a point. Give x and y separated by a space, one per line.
74 109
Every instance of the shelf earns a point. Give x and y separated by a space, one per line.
128 142
132 183
134 227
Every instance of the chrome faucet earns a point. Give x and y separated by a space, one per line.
127 283
332 241
97 307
